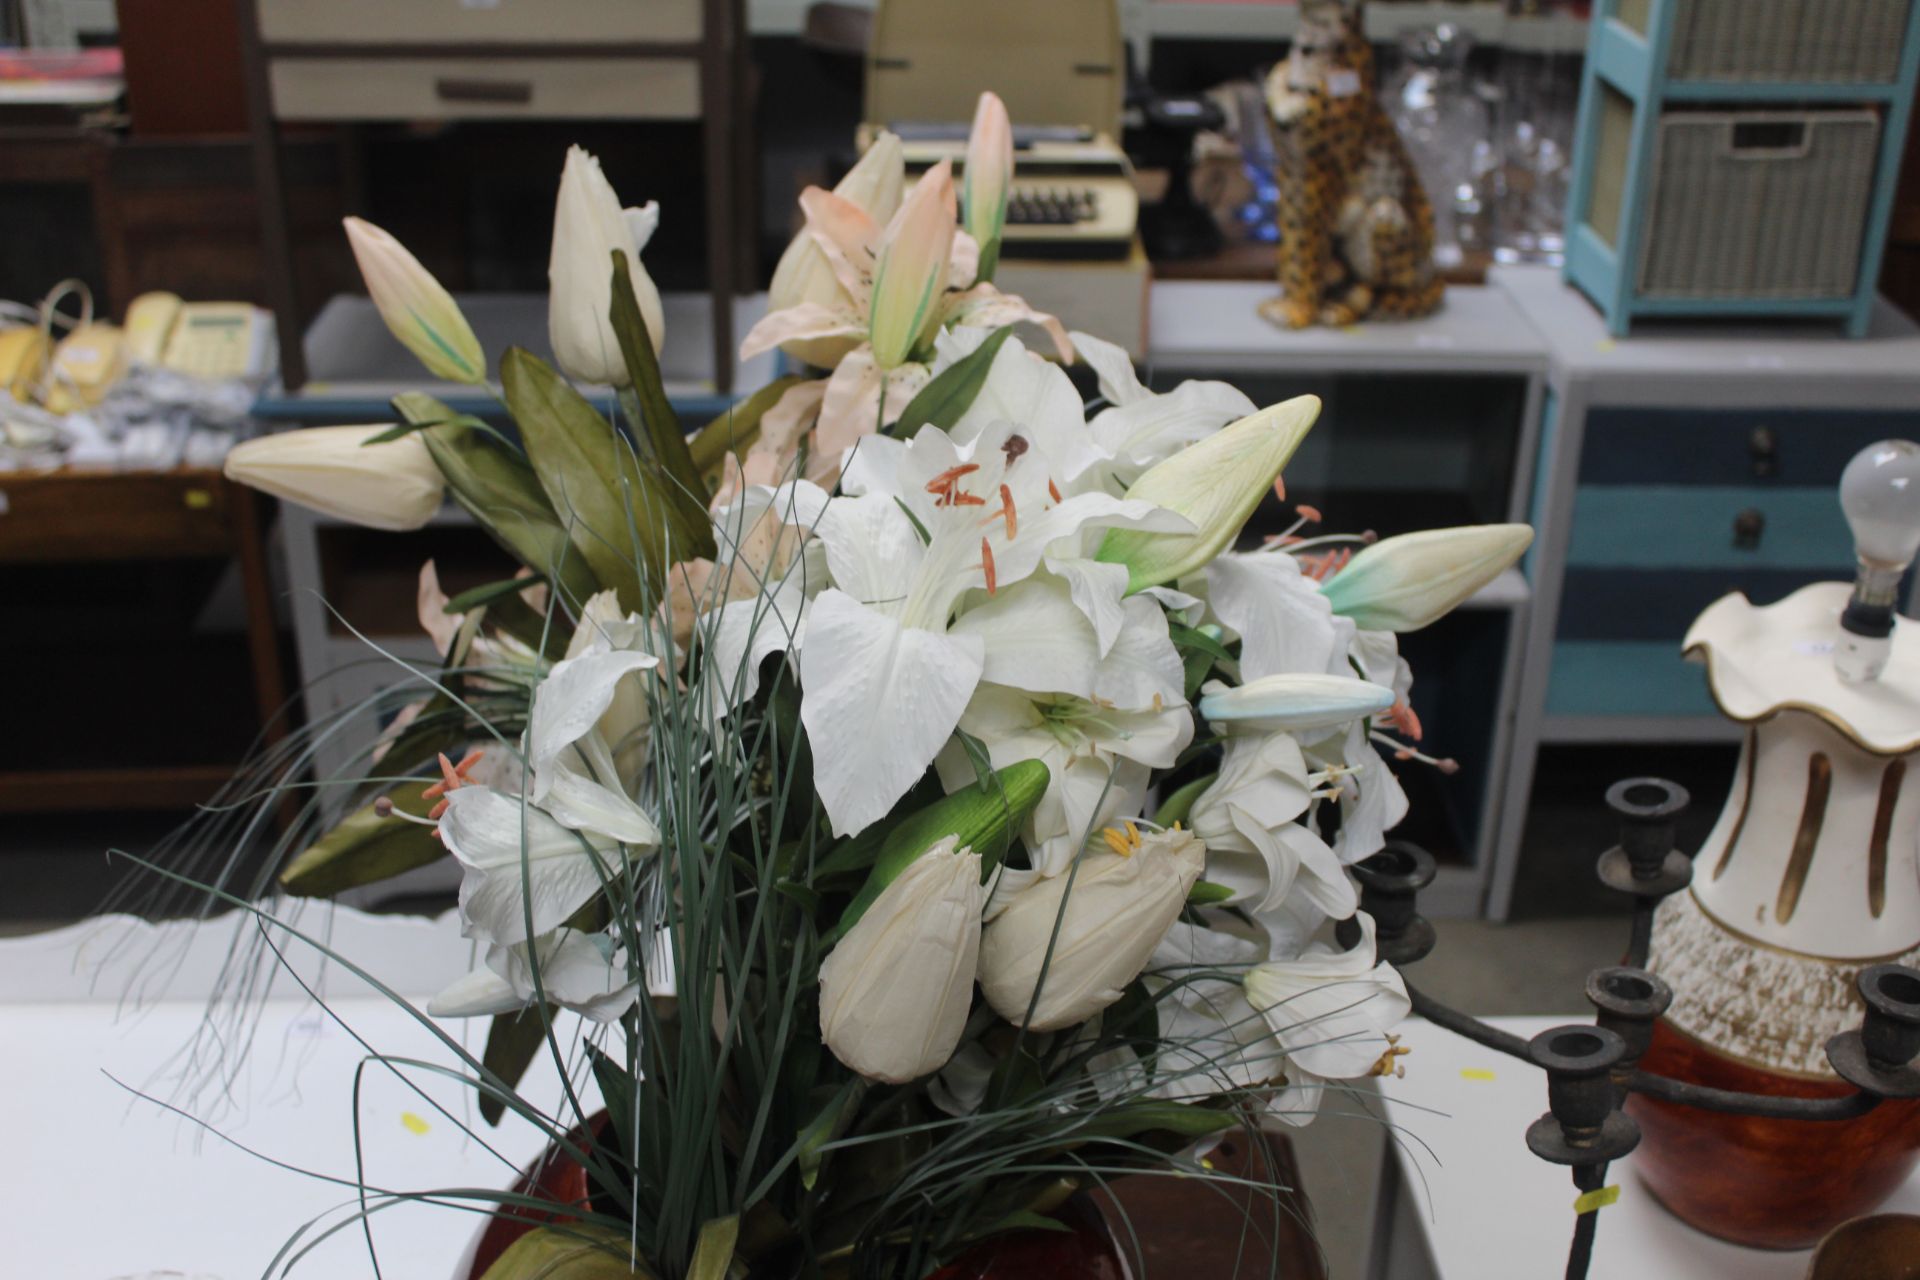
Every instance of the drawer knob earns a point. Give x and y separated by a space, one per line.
1763 447
1747 528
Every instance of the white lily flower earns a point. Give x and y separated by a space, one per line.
1216 484
1101 929
895 992
1217 1041
575 776
1141 427
583 972
885 681
333 470
1284 623
1371 800
1331 1010
492 835
1405 583
769 571
1298 704
1254 845
588 227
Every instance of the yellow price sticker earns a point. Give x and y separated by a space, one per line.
1594 1201
1475 1073
413 1123
197 499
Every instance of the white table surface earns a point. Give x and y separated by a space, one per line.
1491 1210
99 1183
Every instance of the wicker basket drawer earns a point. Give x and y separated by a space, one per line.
386 22
469 88
1759 204
1788 41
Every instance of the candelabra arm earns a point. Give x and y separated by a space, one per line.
1759 1105
1466 1025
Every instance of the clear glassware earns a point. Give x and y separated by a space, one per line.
1535 97
1443 119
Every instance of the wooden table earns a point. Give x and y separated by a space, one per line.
188 513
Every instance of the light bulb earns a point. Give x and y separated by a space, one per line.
1880 492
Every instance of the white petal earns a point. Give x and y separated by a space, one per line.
1097 589
489 833
873 550
879 702
1143 669
1034 638
1023 388
479 994
1113 367
1331 1009
573 769
1285 625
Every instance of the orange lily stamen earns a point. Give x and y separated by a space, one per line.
948 478
1053 491
957 498
452 776
1310 514
1013 517
1280 488
986 562
1401 716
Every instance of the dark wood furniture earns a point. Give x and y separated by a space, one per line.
77 517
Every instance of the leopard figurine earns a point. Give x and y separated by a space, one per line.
1356 231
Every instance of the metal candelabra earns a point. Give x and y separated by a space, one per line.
1592 1068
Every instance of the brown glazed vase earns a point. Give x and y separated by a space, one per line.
1811 874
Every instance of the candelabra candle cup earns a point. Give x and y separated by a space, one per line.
1807 880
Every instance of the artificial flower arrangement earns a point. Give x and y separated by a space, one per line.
924 801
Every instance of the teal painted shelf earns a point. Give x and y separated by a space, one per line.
1626 678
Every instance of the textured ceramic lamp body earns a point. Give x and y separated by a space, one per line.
1811 873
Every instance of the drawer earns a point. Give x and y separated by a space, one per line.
1630 604
478 21
1643 678
1804 447
1648 526
65 516
485 88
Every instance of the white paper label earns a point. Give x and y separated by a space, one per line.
1812 648
1342 82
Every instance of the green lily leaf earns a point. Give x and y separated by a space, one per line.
981 816
1136 1118
663 441
616 512
577 1251
1205 893
828 1125
1177 806
496 487
942 401
713 1254
513 1041
468 601
366 848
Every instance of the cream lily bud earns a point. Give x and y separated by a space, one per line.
986 179
803 275
910 273
894 994
1216 483
1295 703
1123 899
416 308
1405 583
589 226
333 471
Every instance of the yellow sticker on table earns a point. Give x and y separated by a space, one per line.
1475 1073
413 1123
1596 1200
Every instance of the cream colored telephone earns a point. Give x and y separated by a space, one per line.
217 341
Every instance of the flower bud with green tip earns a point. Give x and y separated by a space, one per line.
1216 483
416 308
393 485
1294 703
1405 583
987 178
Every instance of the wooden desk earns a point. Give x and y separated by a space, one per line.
188 513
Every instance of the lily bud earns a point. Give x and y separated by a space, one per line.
803 275
986 179
418 311
1216 483
1405 583
1119 907
589 226
1294 703
911 271
894 994
331 470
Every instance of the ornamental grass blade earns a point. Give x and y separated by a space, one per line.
942 401
496 486
366 848
713 1255
467 601
616 512
662 439
513 1041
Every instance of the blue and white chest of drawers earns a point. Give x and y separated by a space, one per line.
1675 468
